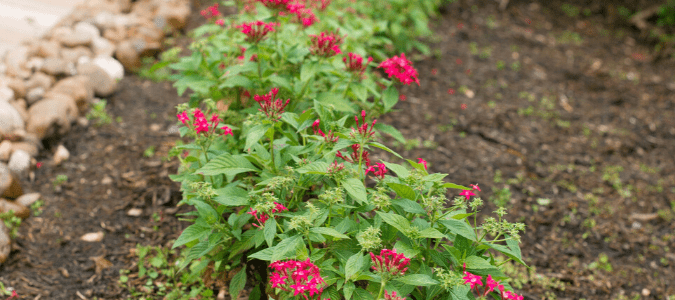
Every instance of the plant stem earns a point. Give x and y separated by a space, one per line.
379 295
274 166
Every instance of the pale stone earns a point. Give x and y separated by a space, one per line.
55 66
48 49
61 154
6 94
176 16
5 150
15 61
28 199
135 212
19 162
5 243
18 209
72 55
10 119
77 87
111 66
35 63
52 116
40 79
35 95
18 86
21 107
103 84
30 148
102 47
93 237
88 29
127 55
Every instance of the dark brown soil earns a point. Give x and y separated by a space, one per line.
596 105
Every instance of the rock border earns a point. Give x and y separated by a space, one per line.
49 83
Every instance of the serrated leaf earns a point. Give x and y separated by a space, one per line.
348 289
409 206
385 148
285 246
432 233
403 190
400 170
359 91
336 101
270 231
191 233
231 196
417 280
236 81
317 167
403 246
508 252
455 186
390 130
355 189
227 164
255 134
207 212
399 222
460 292
238 283
390 98
353 265
328 231
460 228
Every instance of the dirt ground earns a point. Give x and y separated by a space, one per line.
570 111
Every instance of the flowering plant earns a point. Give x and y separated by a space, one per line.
293 196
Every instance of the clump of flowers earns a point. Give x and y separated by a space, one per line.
329 138
355 64
423 162
201 125
475 281
299 277
378 170
303 15
363 130
256 31
262 217
389 263
325 44
392 296
273 108
354 158
275 4
211 12
401 68
469 193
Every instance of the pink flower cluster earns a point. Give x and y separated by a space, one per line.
328 138
401 68
325 44
335 167
379 173
389 262
275 4
469 193
273 108
201 125
423 162
299 276
263 217
490 284
355 63
354 158
392 296
256 31
363 129
254 57
303 15
211 12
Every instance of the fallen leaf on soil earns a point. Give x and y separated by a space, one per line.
644 217
101 263
92 237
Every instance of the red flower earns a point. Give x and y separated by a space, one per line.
271 107
390 262
256 31
434 72
451 91
220 22
326 44
304 277
400 68
393 296
463 106
458 61
473 280
379 173
467 194
401 97
423 162
355 63
474 187
38 165
211 12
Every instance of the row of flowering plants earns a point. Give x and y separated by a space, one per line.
288 199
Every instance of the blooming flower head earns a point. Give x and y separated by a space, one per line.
491 284
273 108
379 169
256 31
262 217
303 15
220 22
275 4
401 68
389 262
300 277
475 187
473 280
329 138
423 162
467 194
227 130
392 296
183 117
355 63
38 165
354 158
325 44
211 12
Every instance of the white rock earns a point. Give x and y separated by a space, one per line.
10 119
28 199
19 162
5 150
102 47
111 66
60 155
135 212
86 28
93 237
5 242
6 94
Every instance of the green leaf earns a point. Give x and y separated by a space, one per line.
417 280
236 81
400 170
399 222
460 292
255 134
403 190
317 167
390 130
336 101
290 118
191 233
196 83
307 71
207 212
231 195
403 246
478 263
434 177
355 189
432 233
360 92
270 231
390 98
281 82
238 283
227 164
460 228
348 289
328 231
508 252
385 148
285 246
409 206
353 265
455 186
